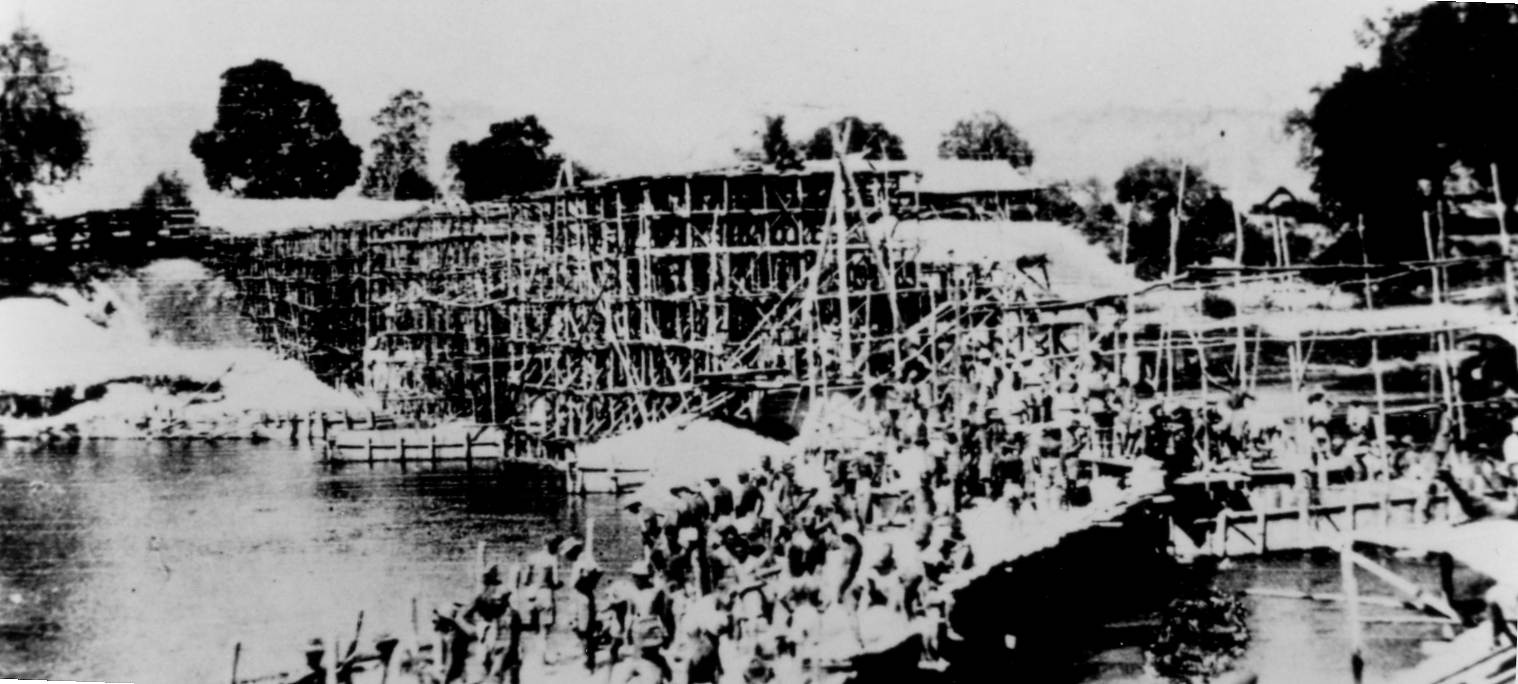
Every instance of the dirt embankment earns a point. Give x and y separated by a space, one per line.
158 352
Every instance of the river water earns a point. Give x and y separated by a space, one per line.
147 561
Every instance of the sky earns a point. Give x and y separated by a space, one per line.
644 87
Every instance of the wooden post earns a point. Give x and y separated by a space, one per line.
479 564
236 657
1375 351
1508 294
1239 348
468 450
1441 340
1177 215
335 661
369 449
432 447
1220 535
1351 590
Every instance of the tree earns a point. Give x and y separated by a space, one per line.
1152 188
398 167
512 160
43 141
871 139
775 148
275 137
1435 99
986 136
1085 206
167 190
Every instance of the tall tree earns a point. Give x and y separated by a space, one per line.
775 148
1436 99
986 136
167 190
275 137
1153 188
43 141
398 164
513 159
871 139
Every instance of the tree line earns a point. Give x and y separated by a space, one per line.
1424 123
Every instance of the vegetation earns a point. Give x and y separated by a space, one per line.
986 136
167 190
398 164
43 141
1200 637
1153 189
775 148
275 137
872 140
512 160
1432 110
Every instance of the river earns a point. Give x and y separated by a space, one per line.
147 561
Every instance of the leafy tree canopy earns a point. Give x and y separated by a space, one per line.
986 136
275 137
512 160
398 163
871 139
1437 98
775 148
1153 189
166 191
43 141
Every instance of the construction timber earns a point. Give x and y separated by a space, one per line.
585 311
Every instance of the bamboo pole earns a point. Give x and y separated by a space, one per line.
1239 350
1177 215
1375 348
1351 607
1509 297
840 219
1441 339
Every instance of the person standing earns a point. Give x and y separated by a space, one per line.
538 587
584 576
316 671
649 618
722 498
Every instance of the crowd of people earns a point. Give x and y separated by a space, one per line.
791 569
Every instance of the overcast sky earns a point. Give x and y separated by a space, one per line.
634 87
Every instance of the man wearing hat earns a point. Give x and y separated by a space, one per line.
499 625
316 673
749 495
722 498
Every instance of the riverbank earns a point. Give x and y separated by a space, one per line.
154 353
